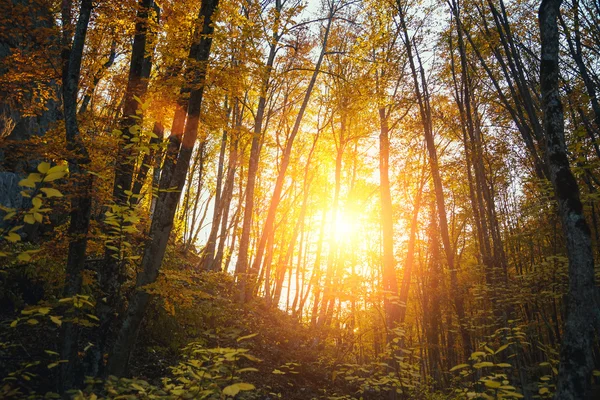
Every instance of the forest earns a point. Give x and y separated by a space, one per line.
299 199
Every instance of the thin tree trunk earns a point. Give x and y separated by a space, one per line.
286 160
241 267
425 114
390 281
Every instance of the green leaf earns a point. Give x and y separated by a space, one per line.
483 364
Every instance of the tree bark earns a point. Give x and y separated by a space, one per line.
162 222
576 361
81 201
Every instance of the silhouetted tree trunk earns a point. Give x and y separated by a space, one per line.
162 221
81 200
112 275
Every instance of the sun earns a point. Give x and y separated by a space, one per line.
344 227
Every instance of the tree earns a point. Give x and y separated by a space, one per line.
173 176
582 310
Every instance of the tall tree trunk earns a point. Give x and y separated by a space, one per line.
112 275
426 121
287 152
576 362
410 255
390 282
241 267
137 86
162 222
81 201
208 254
227 197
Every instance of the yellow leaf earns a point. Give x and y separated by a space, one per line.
50 192
24 257
245 386
27 183
246 337
12 237
37 202
38 217
43 167
492 384
234 389
29 219
247 370
14 323
56 320
503 347
32 321
459 366
57 168
34 177
53 176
